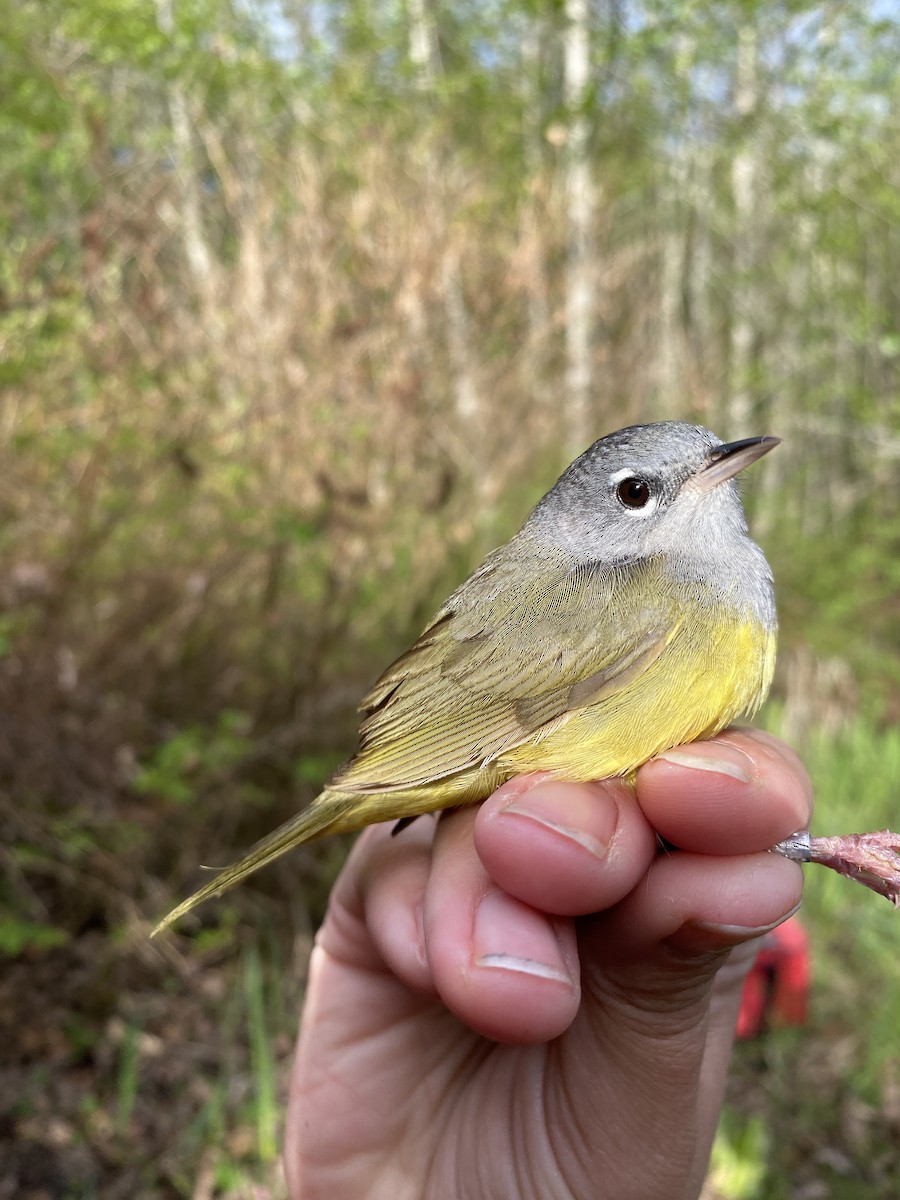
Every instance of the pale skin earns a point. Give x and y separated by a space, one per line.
526 1001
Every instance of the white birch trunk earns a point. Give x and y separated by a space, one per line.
744 187
193 236
580 303
534 32
673 264
701 272
424 54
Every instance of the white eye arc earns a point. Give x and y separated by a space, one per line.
634 492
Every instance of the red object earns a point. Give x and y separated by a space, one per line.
776 991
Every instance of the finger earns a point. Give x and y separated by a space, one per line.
724 1007
505 969
739 792
564 848
692 905
652 1035
662 945
375 914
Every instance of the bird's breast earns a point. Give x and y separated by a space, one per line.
716 668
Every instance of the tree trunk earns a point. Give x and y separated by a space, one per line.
744 188
193 236
425 56
580 301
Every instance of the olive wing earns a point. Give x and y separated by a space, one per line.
511 651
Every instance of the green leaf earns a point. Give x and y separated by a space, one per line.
18 936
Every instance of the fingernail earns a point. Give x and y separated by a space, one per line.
542 807
712 935
719 757
508 936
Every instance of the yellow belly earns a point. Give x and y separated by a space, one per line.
701 682
695 688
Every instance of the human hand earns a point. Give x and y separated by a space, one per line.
526 1001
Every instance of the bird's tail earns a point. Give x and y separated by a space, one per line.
331 812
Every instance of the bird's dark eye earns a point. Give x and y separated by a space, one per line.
633 492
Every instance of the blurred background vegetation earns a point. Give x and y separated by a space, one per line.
302 305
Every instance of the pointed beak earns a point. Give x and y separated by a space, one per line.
724 462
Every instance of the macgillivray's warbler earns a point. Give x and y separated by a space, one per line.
632 612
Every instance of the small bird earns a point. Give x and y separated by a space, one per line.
632 612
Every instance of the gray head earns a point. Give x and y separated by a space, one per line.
667 488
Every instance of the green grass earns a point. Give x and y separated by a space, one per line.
266 1116
235 1137
128 1078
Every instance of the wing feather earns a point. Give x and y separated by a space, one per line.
502 659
